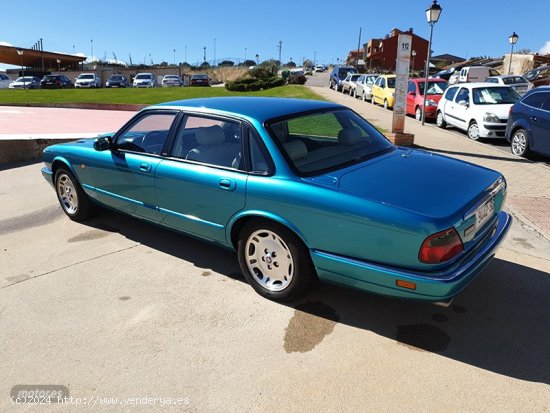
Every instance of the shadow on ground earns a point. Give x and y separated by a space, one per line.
499 323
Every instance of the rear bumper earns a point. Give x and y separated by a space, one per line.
437 286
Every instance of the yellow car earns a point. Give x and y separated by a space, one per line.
383 91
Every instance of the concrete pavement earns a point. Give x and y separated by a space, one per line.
528 182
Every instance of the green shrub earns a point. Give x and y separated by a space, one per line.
297 80
259 73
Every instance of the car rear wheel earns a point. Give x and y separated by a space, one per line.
440 120
274 260
364 97
520 143
386 106
74 201
372 100
418 113
473 131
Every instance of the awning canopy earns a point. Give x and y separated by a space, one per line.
37 58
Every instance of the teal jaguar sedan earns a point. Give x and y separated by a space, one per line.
302 190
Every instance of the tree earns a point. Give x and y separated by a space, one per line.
226 63
248 63
205 65
290 64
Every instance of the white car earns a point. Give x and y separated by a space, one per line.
518 83
4 81
87 80
171 80
145 80
480 109
27 82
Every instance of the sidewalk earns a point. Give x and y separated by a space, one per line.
528 183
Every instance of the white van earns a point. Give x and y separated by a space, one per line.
470 74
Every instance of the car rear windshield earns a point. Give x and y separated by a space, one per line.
342 73
391 82
50 77
494 95
319 142
199 77
513 80
86 76
143 77
116 77
434 88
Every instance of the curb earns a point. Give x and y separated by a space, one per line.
19 150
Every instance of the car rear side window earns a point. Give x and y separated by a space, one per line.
535 100
546 103
148 134
450 93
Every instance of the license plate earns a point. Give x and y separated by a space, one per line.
484 213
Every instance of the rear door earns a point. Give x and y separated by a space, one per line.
541 126
203 183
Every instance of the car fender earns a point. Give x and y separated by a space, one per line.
521 124
62 160
246 214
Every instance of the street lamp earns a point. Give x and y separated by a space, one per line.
20 53
432 15
174 57
58 65
513 39
257 59
245 54
413 54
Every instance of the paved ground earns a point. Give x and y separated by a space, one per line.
117 308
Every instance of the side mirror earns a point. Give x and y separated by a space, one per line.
103 144
463 103
412 93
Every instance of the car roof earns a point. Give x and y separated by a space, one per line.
431 79
479 84
258 108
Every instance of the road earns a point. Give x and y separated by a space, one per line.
115 307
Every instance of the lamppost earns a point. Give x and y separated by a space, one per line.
513 39
185 55
245 54
432 15
20 53
58 65
413 54
214 62
257 59
174 57
204 54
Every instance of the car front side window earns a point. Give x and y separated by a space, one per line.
148 134
463 95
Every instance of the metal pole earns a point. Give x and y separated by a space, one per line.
358 47
427 73
510 64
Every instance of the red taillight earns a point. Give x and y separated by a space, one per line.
441 247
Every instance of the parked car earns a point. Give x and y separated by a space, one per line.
87 80
539 76
363 86
319 68
472 74
4 81
26 82
56 82
308 70
415 97
348 84
171 80
447 73
199 80
117 81
282 182
528 127
481 109
145 80
518 83
383 91
337 75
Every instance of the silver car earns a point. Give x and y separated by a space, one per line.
363 86
348 84
516 82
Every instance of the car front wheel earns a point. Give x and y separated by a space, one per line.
418 113
473 131
386 106
274 260
520 143
364 97
74 201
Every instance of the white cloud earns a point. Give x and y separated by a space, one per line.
546 48
6 44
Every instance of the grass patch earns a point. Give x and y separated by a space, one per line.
142 96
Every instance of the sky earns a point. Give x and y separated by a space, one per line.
315 29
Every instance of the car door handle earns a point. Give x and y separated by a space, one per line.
145 167
227 184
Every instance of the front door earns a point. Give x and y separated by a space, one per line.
124 177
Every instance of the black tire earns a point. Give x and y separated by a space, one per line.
72 198
386 106
473 131
519 144
440 120
372 99
418 113
276 239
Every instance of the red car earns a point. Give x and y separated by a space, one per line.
415 97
